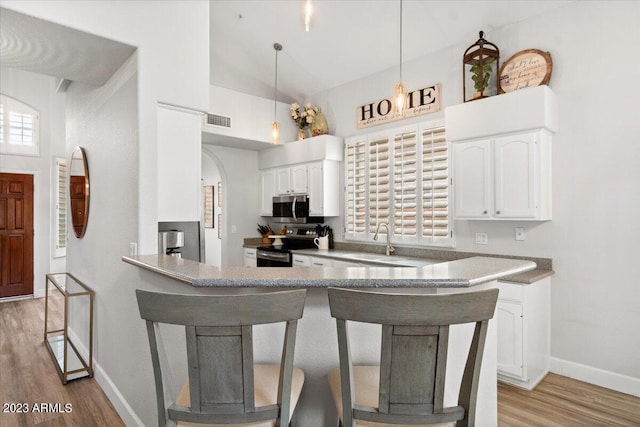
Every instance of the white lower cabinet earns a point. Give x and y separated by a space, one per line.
301 260
338 263
250 257
522 313
314 261
321 262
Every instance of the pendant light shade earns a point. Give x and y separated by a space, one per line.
308 12
275 126
399 98
400 89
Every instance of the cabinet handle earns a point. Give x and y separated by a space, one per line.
484 213
497 212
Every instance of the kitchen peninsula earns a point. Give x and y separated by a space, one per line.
316 345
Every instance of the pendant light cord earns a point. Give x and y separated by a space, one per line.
400 41
277 47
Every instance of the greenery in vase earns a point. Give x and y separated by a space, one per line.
481 75
303 116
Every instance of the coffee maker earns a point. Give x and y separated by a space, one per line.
170 242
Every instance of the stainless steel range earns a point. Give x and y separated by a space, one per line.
280 255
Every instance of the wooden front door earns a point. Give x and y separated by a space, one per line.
16 234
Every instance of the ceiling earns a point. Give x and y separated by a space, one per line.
40 46
348 40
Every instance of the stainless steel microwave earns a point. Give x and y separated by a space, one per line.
293 209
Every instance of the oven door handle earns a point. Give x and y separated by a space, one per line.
273 256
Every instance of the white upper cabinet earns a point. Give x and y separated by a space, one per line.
472 163
267 191
311 167
507 177
292 180
502 155
323 188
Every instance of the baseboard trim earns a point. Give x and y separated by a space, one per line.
599 377
118 401
122 407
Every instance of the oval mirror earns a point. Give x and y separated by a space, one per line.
79 191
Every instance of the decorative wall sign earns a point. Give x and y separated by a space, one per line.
419 102
208 206
531 67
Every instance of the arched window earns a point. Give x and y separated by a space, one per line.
19 127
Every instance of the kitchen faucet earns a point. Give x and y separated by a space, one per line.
389 247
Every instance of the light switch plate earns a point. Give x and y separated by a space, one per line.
482 238
520 234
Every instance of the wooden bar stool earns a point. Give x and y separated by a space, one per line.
224 387
408 386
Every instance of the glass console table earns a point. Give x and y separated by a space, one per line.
68 311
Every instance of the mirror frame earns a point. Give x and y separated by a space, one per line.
79 233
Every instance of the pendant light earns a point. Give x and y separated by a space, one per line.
400 90
308 12
275 126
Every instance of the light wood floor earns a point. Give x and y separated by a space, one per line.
27 374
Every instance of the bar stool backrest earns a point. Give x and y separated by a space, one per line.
415 331
220 352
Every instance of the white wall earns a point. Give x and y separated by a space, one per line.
213 236
239 169
596 204
173 41
172 38
251 116
39 92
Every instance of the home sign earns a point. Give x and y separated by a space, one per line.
419 102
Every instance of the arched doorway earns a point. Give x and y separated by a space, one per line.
213 174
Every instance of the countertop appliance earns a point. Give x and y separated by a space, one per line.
293 209
170 242
192 244
280 256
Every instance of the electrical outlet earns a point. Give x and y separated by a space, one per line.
520 234
482 238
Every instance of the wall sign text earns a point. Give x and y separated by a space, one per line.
419 102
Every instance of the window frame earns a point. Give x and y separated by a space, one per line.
418 239
13 105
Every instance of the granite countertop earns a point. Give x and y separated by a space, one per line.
372 259
421 256
461 273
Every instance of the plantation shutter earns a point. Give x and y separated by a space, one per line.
379 170
405 188
435 185
355 188
61 205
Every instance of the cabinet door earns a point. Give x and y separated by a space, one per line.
250 258
267 191
283 181
316 189
510 339
338 263
472 179
301 261
515 165
298 179
321 262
